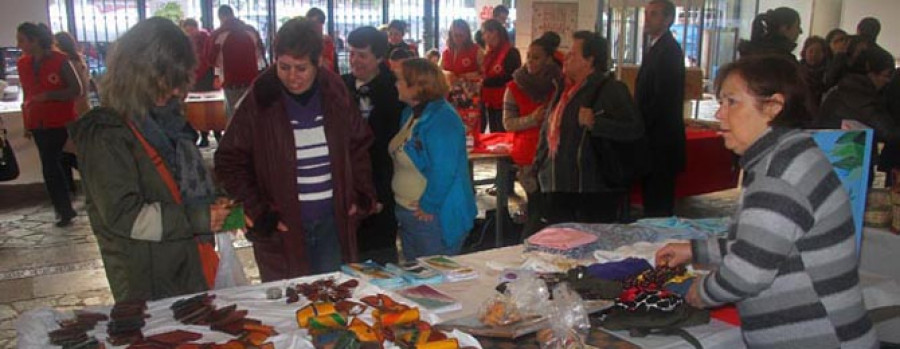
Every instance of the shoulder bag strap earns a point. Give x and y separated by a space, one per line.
158 162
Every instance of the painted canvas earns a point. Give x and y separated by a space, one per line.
850 152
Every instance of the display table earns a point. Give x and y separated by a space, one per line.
206 110
879 286
503 166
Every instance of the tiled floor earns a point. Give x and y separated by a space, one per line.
45 266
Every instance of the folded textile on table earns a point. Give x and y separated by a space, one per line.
619 271
561 240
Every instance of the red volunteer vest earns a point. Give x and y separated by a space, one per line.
493 67
524 142
46 114
464 61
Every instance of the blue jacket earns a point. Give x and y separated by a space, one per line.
437 147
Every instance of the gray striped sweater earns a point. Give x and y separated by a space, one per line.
789 262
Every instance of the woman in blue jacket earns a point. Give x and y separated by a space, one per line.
432 186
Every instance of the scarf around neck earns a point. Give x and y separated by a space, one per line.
541 86
169 133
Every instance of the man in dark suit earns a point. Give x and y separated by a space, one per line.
659 93
372 86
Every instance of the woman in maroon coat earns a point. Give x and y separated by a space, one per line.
296 154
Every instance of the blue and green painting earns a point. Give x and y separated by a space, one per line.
850 152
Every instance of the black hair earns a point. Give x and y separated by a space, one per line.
809 42
549 42
401 53
226 11
399 25
668 9
873 60
593 46
869 27
494 25
767 25
500 10
368 36
316 14
299 37
768 74
37 32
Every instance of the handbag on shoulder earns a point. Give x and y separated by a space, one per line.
9 167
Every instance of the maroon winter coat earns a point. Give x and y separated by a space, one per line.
255 163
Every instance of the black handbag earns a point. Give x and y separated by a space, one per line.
9 167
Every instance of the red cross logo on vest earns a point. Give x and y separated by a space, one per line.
53 78
498 68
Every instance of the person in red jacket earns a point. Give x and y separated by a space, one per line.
236 50
51 87
329 53
500 61
524 111
204 74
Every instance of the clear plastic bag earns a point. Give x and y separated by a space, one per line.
568 320
529 294
230 272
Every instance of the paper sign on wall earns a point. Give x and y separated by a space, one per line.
561 18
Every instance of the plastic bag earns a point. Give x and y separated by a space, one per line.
231 271
529 294
568 320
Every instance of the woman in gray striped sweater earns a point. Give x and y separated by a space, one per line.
789 262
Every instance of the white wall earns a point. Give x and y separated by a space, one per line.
887 12
587 17
18 11
826 16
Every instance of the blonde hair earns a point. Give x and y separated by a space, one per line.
148 62
422 73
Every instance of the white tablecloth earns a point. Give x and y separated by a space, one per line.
33 326
879 275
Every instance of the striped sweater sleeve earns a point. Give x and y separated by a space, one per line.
774 216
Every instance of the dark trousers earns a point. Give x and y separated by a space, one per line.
658 189
376 237
536 214
50 143
581 207
492 117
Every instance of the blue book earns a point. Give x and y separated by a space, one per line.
415 273
375 274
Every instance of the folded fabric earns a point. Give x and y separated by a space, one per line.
619 271
561 238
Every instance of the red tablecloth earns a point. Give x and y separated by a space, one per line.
710 167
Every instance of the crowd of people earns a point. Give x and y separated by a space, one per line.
335 168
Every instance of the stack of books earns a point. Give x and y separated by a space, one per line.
451 269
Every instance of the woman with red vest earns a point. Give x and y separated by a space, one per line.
524 110
51 87
500 61
461 62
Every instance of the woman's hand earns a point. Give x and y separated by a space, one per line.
217 214
674 255
422 215
693 295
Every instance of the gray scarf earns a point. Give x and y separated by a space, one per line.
169 133
540 87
